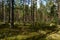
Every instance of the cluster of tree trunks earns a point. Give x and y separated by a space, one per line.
33 15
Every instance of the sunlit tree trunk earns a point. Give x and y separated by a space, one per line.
35 10
41 12
58 8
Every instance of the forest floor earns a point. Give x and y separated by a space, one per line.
17 34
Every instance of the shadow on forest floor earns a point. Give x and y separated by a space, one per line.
8 32
5 31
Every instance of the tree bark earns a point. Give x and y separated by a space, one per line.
12 13
3 11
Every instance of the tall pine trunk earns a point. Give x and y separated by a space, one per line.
32 12
12 13
3 11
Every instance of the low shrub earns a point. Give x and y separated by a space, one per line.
43 26
6 25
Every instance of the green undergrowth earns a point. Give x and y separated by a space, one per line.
42 29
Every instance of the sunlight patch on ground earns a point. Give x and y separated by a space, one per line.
54 36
